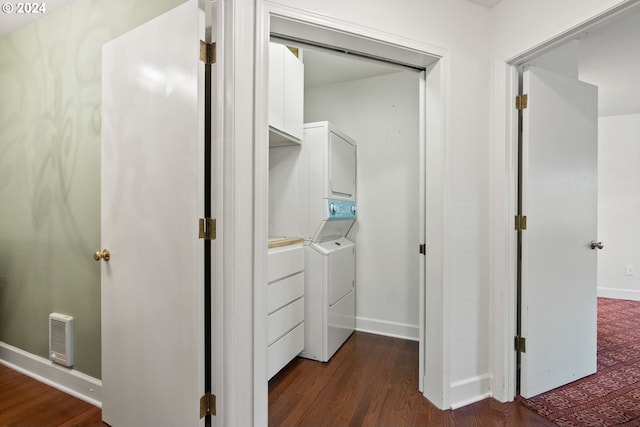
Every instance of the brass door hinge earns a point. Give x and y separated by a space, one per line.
423 248
207 228
522 102
520 344
520 222
294 50
207 52
207 405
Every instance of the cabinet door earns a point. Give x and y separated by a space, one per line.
276 85
286 95
293 94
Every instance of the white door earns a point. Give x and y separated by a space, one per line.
152 286
559 195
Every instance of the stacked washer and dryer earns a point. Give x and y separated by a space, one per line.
318 203
328 168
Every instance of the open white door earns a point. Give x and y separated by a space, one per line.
152 285
559 196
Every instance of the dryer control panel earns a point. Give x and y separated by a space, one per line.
341 210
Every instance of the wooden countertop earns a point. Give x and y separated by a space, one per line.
277 242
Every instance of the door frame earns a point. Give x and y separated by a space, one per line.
504 179
434 96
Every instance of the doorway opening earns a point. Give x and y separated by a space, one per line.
304 31
594 54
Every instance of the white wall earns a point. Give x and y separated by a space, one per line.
381 114
619 205
463 29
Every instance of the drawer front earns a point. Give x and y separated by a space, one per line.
282 262
284 350
283 320
282 292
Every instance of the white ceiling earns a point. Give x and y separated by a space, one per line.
325 67
486 3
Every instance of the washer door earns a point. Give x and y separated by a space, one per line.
342 269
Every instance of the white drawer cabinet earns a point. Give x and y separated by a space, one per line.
284 350
282 292
285 261
285 305
281 321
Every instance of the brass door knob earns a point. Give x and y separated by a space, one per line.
104 255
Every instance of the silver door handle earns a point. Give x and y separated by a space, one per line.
596 245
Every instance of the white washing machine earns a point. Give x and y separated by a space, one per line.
330 297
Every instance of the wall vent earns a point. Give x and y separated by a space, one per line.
61 339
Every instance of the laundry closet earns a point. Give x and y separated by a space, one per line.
343 210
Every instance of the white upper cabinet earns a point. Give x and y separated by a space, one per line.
286 96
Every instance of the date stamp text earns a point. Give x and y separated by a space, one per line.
24 8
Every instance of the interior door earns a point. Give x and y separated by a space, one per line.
559 198
152 302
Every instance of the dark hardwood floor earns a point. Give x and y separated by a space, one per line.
373 381
27 402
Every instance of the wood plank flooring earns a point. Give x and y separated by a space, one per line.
373 381
27 402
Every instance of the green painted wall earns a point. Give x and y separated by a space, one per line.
50 85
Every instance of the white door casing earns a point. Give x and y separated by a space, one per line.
274 18
559 195
152 305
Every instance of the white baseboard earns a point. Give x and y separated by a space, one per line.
470 391
67 380
389 329
629 294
